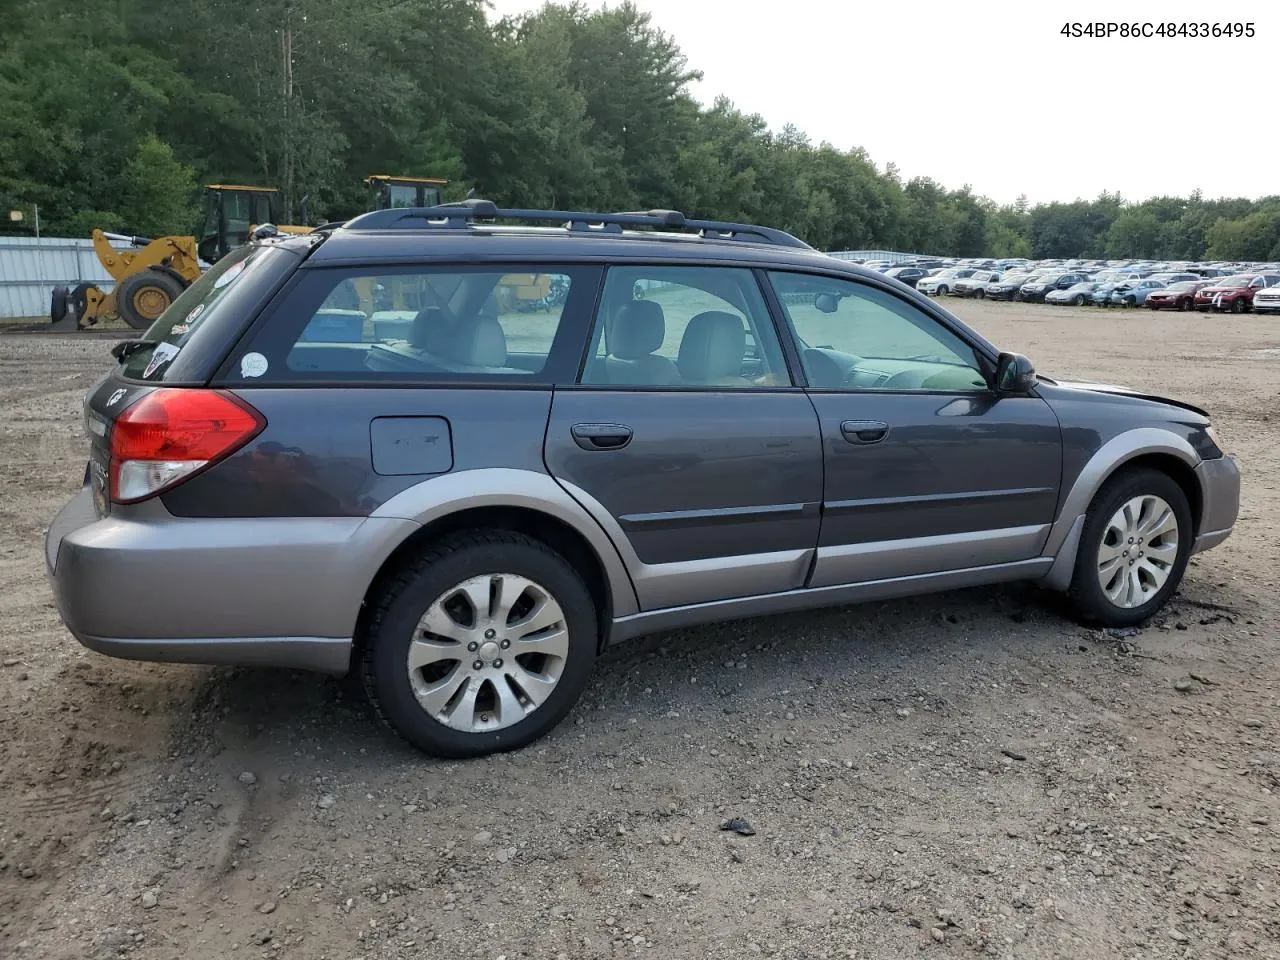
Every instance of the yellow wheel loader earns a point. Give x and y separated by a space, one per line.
153 273
150 274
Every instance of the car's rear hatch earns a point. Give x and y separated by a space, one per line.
182 348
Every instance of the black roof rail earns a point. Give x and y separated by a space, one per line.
462 213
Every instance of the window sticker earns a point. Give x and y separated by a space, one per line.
234 271
162 353
253 365
178 329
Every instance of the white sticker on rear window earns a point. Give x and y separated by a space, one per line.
161 353
253 365
234 271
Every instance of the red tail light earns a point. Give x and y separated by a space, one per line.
172 434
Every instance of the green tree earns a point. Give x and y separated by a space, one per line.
1136 232
160 192
1255 237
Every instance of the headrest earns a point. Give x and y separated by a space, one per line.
638 330
712 348
479 343
428 321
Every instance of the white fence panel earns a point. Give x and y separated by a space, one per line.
30 269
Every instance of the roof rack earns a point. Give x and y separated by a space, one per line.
462 214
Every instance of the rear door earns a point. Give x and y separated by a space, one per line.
926 470
685 438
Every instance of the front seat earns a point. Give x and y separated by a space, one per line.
712 350
637 331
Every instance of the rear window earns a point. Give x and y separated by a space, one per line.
439 323
165 339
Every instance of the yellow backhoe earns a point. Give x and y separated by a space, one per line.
150 274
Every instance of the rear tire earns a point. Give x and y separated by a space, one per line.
980 294
58 304
1110 586
142 297
445 705
1079 300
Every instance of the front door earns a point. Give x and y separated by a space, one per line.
686 440
927 470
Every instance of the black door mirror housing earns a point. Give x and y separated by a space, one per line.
1014 374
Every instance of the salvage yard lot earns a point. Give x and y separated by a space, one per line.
957 775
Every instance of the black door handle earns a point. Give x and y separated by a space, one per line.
864 431
601 436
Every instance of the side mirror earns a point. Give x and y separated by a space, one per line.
1014 374
827 302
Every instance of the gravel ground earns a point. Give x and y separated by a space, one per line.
968 773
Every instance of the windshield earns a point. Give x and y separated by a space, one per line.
1186 286
1234 282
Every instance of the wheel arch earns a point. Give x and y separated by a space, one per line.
1151 447
518 500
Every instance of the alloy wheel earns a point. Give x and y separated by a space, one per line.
1138 550
488 652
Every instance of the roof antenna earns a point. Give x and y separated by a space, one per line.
471 193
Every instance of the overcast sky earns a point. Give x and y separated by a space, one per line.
992 95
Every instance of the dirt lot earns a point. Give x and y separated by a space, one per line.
966 774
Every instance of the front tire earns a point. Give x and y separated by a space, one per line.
481 644
1133 550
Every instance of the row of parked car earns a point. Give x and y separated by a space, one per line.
1232 287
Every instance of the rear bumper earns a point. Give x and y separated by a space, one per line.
1220 495
257 591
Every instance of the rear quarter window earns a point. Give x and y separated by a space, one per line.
513 323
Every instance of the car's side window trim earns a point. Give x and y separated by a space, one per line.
985 355
782 328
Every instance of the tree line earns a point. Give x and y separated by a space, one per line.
113 114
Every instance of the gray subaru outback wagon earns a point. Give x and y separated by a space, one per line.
461 453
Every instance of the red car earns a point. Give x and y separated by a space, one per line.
1176 296
1233 293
